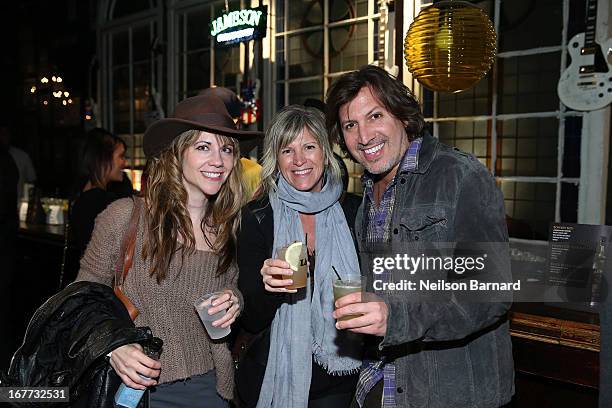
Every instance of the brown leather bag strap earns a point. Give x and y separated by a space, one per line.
126 255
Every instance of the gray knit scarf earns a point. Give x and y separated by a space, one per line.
303 328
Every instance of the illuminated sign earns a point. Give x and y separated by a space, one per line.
239 25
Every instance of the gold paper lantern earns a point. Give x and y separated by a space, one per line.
450 46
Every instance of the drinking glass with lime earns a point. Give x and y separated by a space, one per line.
295 255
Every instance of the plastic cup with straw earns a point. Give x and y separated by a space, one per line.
343 287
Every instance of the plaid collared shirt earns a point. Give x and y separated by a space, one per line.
377 230
379 219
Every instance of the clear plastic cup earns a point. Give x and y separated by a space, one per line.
202 305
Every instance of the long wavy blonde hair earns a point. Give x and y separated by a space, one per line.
168 225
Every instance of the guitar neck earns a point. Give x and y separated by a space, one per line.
382 29
589 31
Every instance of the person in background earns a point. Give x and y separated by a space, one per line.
184 248
123 188
9 176
309 362
431 352
251 170
102 161
315 103
22 160
348 200
251 175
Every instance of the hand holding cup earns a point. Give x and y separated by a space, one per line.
277 276
288 271
217 310
228 302
372 309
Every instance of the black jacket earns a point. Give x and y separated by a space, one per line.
67 340
88 205
255 240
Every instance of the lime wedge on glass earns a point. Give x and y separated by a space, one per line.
292 255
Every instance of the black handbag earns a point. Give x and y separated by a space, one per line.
250 357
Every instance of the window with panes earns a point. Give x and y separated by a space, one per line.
317 41
130 71
197 62
513 121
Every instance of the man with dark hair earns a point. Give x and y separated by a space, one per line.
443 353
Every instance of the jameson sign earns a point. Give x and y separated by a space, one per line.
239 25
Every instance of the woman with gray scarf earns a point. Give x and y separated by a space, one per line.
298 359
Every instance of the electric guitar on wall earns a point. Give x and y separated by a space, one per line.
587 83
383 9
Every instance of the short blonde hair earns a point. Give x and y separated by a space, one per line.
286 126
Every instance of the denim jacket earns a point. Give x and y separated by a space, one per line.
455 353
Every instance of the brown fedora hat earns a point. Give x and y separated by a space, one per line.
201 112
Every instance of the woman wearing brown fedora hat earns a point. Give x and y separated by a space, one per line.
184 248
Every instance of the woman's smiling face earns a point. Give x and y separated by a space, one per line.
301 162
207 163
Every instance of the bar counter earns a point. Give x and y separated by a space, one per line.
556 356
39 254
44 233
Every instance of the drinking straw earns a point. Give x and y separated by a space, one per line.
336 272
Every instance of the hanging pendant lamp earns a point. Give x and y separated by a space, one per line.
450 46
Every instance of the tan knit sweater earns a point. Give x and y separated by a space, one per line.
166 308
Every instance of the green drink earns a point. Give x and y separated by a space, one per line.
343 287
